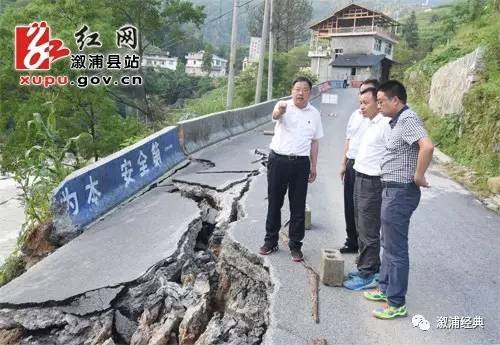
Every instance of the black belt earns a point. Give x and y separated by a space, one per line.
289 157
390 184
358 174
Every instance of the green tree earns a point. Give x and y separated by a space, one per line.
206 62
159 23
71 103
170 85
64 112
290 22
410 31
288 66
476 8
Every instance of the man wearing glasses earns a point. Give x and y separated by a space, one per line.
407 156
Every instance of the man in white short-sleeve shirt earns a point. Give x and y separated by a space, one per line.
368 193
291 165
354 132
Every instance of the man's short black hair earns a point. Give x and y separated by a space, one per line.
393 88
302 79
373 82
371 90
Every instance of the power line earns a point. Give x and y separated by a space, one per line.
174 41
226 13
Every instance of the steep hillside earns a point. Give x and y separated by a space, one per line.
472 137
217 31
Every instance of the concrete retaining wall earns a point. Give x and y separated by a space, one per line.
196 134
336 84
89 192
203 131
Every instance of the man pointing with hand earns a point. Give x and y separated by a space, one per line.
291 165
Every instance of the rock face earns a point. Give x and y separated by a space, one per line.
452 81
10 336
244 287
494 184
38 245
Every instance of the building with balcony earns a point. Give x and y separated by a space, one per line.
354 43
160 60
194 62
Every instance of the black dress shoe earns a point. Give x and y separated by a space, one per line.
348 250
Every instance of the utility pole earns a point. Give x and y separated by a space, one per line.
232 57
258 89
270 65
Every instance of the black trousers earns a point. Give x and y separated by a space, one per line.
350 224
367 204
286 173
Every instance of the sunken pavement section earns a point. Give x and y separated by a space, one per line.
163 268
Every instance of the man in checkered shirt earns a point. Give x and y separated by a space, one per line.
408 154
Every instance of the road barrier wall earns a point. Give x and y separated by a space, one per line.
90 192
198 133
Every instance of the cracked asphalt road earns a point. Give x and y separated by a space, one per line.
454 250
454 255
116 250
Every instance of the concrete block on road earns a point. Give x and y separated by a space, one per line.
331 269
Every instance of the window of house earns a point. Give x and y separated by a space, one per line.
339 51
353 71
388 49
378 45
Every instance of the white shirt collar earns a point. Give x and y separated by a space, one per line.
307 107
377 118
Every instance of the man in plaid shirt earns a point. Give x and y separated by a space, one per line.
408 154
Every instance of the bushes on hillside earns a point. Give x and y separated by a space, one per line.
473 137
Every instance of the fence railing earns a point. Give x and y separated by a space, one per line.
358 29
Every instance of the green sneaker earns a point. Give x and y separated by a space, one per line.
375 295
390 312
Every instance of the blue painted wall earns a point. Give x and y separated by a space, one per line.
89 192
335 84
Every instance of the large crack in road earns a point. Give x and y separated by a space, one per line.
211 291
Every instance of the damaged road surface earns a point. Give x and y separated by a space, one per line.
118 249
179 264
157 270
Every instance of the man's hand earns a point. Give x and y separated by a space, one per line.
425 150
279 110
421 181
343 169
312 175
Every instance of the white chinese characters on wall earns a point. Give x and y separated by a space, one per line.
93 194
